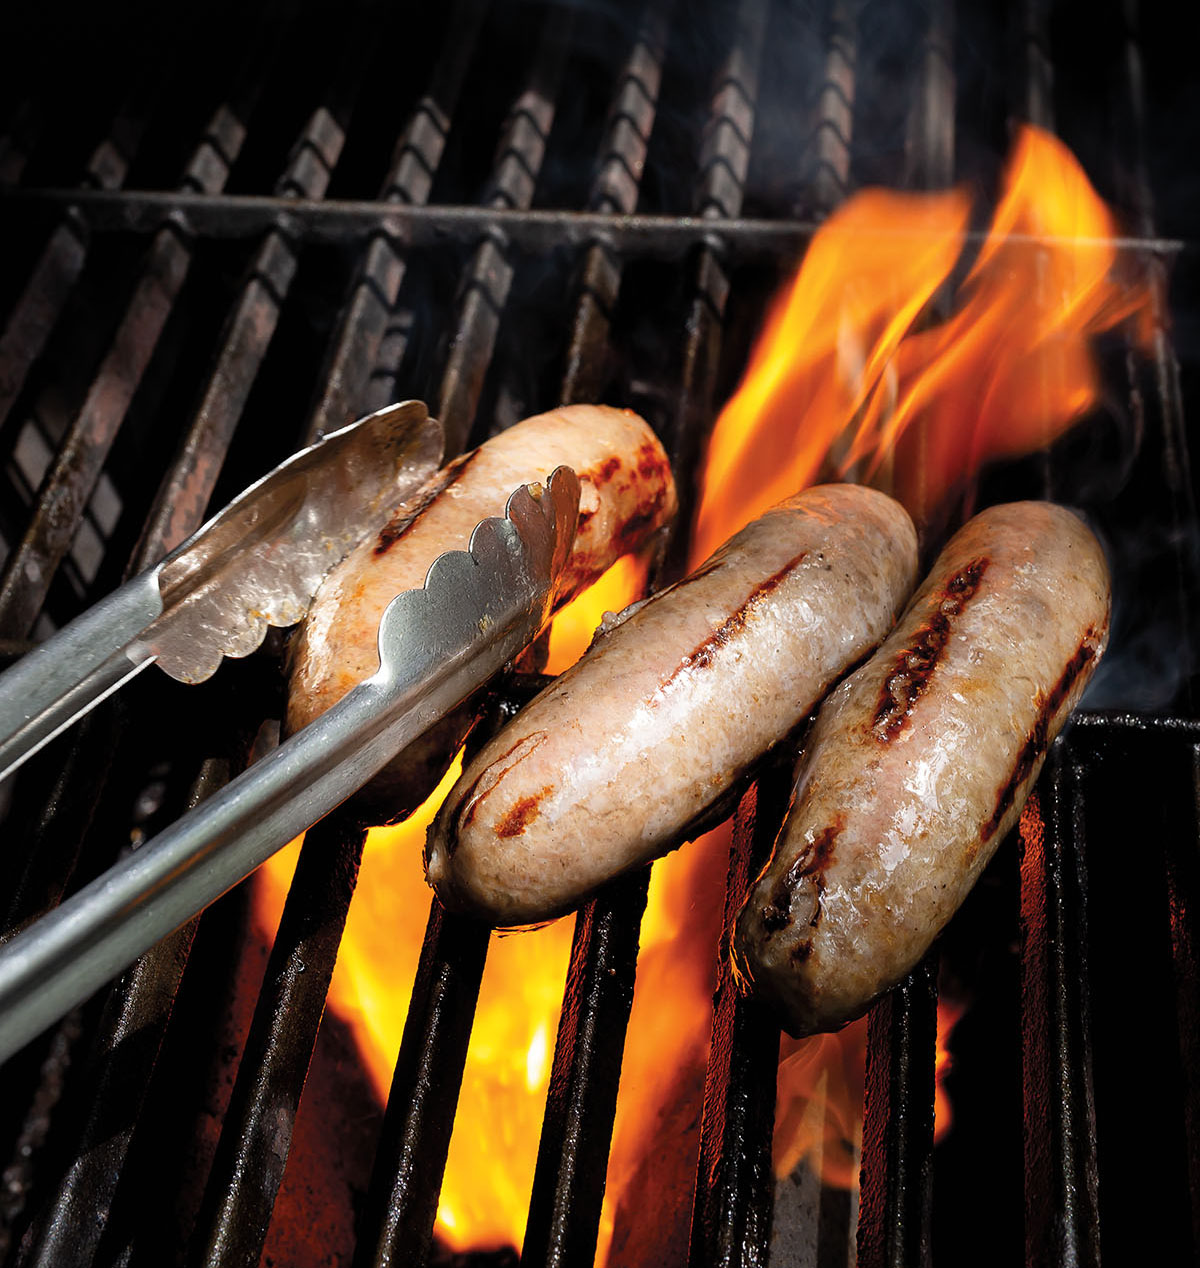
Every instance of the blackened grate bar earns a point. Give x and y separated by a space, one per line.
248 1167
1061 1173
397 1225
569 1179
731 1216
72 478
364 320
485 288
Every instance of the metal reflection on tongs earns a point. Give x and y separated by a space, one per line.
437 644
257 563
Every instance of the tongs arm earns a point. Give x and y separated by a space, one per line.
478 609
256 563
47 689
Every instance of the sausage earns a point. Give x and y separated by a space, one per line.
626 494
918 764
603 770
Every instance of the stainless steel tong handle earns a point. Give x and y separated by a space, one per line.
257 563
477 610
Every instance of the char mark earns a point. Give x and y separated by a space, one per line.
910 675
606 470
651 465
402 523
811 864
469 802
632 533
522 814
1034 746
703 654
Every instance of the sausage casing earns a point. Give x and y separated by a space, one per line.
603 770
626 494
918 764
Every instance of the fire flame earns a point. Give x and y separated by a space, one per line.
489 1169
852 378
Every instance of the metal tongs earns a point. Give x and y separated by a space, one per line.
258 563
477 610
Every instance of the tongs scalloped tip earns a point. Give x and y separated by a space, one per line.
255 564
431 657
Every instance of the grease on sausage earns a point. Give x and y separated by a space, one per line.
603 770
626 494
918 764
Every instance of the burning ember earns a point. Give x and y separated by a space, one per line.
875 365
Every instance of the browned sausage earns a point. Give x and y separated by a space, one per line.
918 764
626 493
603 770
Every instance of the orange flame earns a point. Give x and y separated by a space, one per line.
489 1169
948 1016
819 1101
849 377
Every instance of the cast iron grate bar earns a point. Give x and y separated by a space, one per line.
53 277
401 1205
731 1217
568 1186
724 160
615 192
569 1178
829 173
931 122
489 276
333 220
256 1135
895 1193
365 315
68 485
1061 1175
140 1006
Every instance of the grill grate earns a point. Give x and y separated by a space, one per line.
496 207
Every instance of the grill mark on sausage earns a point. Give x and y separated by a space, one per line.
1035 742
517 819
909 678
403 521
703 654
651 464
633 531
606 470
469 803
811 864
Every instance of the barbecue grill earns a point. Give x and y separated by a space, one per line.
233 230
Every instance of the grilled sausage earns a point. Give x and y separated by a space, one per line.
626 494
603 770
918 764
